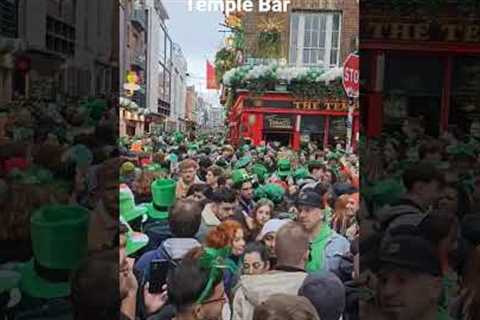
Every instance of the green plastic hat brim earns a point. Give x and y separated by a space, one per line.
156 214
283 174
35 286
133 214
135 242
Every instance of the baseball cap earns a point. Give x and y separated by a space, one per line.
410 252
326 292
310 198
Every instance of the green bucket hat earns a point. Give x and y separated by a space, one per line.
193 146
271 191
127 168
243 162
221 163
179 137
284 168
128 210
461 150
163 196
240 176
60 242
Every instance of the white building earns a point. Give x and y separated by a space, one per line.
179 85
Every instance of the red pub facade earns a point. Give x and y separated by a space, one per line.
279 116
420 64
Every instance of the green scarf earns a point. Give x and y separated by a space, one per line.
316 261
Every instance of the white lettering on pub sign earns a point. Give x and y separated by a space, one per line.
444 32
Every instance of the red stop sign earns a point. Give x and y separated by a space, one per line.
351 76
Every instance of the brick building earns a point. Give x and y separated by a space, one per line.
336 19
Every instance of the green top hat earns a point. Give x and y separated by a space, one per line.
243 162
154 167
313 164
59 241
128 210
284 168
240 176
271 191
301 173
260 171
163 195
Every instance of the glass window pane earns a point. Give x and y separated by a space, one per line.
316 22
306 56
334 39
314 56
323 22
315 39
307 41
308 22
321 40
333 57
336 22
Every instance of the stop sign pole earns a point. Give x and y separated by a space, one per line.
351 85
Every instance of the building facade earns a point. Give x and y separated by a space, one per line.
312 33
179 85
66 48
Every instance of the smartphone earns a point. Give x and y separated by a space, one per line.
158 275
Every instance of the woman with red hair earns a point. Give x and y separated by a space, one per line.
229 234
344 216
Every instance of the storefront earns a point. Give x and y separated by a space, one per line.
279 116
420 67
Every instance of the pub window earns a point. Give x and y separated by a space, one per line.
315 38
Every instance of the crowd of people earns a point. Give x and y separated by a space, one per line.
419 214
199 229
252 232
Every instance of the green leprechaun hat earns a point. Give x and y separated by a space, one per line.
284 168
60 242
240 176
128 210
163 196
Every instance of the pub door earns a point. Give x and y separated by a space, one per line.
284 138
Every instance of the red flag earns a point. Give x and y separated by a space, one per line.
211 78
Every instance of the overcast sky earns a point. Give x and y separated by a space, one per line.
198 35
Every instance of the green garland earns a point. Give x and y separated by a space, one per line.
269 44
224 61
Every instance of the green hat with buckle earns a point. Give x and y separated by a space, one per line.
284 168
240 176
60 242
163 197
128 210
243 162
